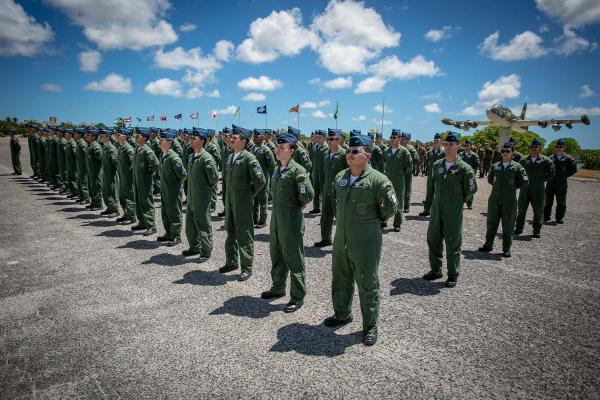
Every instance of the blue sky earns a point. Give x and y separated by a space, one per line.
95 60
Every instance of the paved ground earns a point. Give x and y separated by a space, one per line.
90 310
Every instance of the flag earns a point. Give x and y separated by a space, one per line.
163 117
138 119
237 112
261 109
127 120
213 115
118 121
150 118
177 117
337 109
296 108
195 116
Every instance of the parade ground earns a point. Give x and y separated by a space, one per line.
90 309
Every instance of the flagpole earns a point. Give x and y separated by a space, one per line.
382 115
266 120
298 118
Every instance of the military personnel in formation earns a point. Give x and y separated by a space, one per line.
203 175
364 199
471 158
300 155
422 151
15 151
454 181
333 162
82 178
405 142
146 165
125 164
506 177
43 155
516 155
398 163
214 150
154 144
565 166
110 192
93 163
540 169
61 153
380 143
71 161
31 139
267 164
318 151
172 176
225 153
377 160
53 160
487 161
434 154
292 191
244 178
481 155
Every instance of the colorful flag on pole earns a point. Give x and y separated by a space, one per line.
177 117
127 120
261 109
295 109
163 117
237 112
214 115
195 116
335 114
150 118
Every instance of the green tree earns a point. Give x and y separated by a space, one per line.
491 134
572 147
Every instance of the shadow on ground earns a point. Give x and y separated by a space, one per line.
479 255
314 340
205 278
247 306
416 286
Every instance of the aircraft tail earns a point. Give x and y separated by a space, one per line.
523 111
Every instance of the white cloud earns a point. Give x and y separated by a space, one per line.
526 45
314 81
505 87
586 91
89 60
254 97
569 42
372 84
473 110
312 104
553 110
262 83
279 34
318 114
214 94
223 50
131 24
379 108
338 83
229 110
359 118
354 57
432 108
113 83
576 13
379 122
179 58
436 35
392 67
20 34
433 96
51 87
166 87
193 93
187 27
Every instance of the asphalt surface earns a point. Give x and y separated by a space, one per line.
89 309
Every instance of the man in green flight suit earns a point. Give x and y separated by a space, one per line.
33 158
145 166
71 161
226 151
125 164
291 191
109 175
334 161
215 151
539 170
82 178
244 178
15 151
154 144
172 176
93 164
471 158
61 153
565 166
203 175
398 163
505 177
453 180
318 151
267 164
43 155
405 142
301 155
364 199
436 153
52 141
377 155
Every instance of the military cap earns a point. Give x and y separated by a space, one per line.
453 137
508 145
395 133
469 142
320 132
168 134
293 131
360 140
268 131
354 132
405 135
199 132
145 132
286 138
259 132
238 130
437 136
210 132
331 132
79 130
536 142
560 142
379 135
94 132
226 131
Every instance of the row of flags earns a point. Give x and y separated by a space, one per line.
295 109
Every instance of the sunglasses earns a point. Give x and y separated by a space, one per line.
331 139
559 146
505 151
534 147
355 151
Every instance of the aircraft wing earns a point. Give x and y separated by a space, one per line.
464 125
556 124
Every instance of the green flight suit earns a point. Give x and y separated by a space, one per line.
360 209
267 164
244 179
172 176
93 163
451 188
82 178
502 203
538 172
225 153
564 166
301 157
318 152
61 154
291 190
15 154
154 144
517 156
53 161
432 157
42 158
408 177
377 158
397 165
110 178
145 167
71 166
332 165
203 174
125 162
473 160
32 154
215 152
